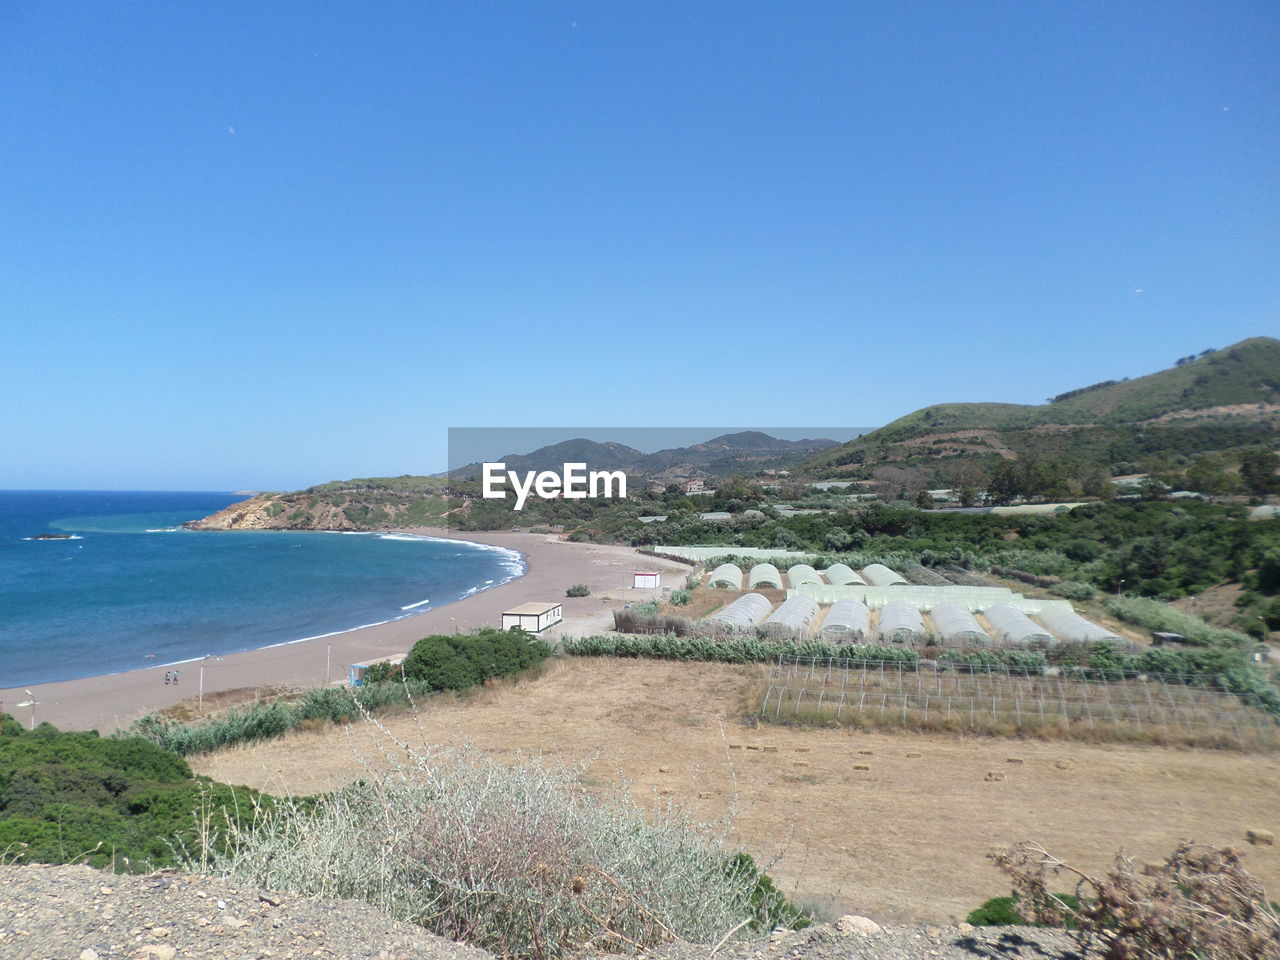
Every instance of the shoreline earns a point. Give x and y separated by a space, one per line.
111 701
522 559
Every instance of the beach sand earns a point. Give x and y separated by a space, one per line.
113 701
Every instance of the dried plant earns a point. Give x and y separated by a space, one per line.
1199 904
516 858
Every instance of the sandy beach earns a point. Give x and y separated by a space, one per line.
113 701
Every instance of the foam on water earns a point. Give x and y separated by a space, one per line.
134 599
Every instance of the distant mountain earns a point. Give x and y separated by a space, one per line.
747 451
597 456
1221 399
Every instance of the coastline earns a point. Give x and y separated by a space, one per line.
112 701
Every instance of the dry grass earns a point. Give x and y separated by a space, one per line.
905 838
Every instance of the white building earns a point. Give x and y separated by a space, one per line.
532 617
646 580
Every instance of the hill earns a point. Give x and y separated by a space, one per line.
1220 400
376 503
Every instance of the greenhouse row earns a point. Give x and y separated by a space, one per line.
949 624
767 576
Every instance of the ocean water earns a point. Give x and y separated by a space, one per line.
132 589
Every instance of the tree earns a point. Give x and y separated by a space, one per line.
1258 470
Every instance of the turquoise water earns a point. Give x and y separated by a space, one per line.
133 590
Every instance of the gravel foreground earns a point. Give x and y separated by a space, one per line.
78 913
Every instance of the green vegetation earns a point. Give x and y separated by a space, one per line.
1109 423
1003 912
728 650
123 803
680 597
459 661
435 664
578 590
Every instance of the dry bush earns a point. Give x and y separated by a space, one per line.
1201 904
514 858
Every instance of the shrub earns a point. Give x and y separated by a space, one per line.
1074 590
518 860
1200 903
124 803
680 597
578 590
727 649
457 661
1003 912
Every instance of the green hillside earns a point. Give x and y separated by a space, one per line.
1222 400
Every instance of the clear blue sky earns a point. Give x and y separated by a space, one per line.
271 244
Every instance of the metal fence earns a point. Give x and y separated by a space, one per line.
1167 708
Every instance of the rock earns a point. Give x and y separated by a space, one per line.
105 891
1260 837
854 924
965 928
160 932
933 933
159 951
235 923
993 776
89 954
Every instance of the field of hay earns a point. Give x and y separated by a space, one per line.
892 825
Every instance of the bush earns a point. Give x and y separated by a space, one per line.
727 649
1074 590
680 597
1003 912
1201 903
515 859
123 803
457 661
578 590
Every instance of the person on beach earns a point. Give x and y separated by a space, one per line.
175 677
166 678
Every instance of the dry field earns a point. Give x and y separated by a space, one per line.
892 825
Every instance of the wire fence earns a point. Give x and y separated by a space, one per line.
1156 708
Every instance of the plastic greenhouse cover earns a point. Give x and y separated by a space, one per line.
1069 625
899 621
1014 626
727 573
840 574
847 616
878 575
956 624
764 574
745 612
802 573
792 617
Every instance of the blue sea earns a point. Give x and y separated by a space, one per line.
132 589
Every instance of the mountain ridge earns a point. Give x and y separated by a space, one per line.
1235 392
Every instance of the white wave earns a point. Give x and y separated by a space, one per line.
74 536
163 529
410 606
403 536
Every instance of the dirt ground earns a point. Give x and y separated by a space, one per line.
894 826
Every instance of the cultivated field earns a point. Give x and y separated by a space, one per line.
893 825
1169 710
